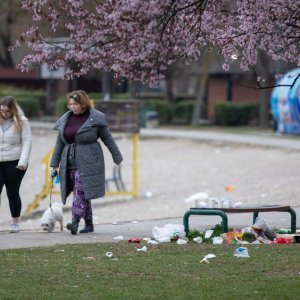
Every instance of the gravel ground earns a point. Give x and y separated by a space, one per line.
170 170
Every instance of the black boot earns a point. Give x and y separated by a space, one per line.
89 227
73 226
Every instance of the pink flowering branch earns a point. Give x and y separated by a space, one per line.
138 39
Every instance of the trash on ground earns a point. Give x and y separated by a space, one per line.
152 242
237 204
168 231
217 240
282 240
234 237
297 238
197 239
119 237
229 188
134 240
143 249
241 252
164 239
134 222
208 233
109 254
207 257
148 194
181 242
198 199
261 229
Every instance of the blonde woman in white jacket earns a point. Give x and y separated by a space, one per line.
15 147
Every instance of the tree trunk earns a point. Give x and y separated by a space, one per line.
201 89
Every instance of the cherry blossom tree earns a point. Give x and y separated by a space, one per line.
138 39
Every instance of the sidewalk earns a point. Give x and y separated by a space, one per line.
167 206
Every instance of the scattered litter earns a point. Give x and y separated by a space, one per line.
164 239
62 250
115 223
198 199
197 196
148 194
261 229
234 237
169 231
143 249
197 239
134 222
92 237
119 237
181 242
241 252
152 242
114 258
146 239
109 254
237 204
208 233
207 257
217 240
229 188
134 240
89 257
282 240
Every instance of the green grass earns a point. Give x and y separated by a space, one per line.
166 271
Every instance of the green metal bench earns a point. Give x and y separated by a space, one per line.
222 212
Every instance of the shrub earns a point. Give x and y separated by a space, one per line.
163 108
30 105
236 113
61 105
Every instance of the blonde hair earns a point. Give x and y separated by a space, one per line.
16 112
81 98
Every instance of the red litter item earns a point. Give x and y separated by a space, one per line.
282 240
134 240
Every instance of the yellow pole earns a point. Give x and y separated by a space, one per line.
135 139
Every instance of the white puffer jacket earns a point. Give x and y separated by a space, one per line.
14 145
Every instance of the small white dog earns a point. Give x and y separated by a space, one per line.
52 215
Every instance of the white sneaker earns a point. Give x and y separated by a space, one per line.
14 228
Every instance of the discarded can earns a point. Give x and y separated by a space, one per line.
134 240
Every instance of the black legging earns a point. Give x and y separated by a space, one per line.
12 177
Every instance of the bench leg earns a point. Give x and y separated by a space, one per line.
293 219
205 213
255 215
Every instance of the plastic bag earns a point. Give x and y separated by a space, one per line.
261 229
233 237
282 240
241 252
171 231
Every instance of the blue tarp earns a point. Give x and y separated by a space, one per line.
285 103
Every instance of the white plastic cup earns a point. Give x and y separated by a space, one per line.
219 203
227 204
212 202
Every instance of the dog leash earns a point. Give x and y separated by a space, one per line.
51 192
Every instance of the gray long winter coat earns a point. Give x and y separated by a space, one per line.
89 155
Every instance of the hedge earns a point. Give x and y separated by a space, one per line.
236 113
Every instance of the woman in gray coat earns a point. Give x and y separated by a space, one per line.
79 157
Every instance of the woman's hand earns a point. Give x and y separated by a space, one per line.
22 168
